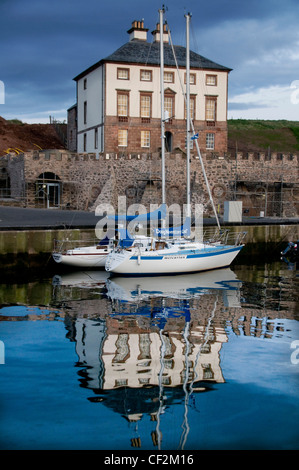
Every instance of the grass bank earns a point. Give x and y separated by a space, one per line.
258 135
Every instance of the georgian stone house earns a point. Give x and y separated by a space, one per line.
114 141
118 107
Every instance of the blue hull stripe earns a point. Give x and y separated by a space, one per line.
189 256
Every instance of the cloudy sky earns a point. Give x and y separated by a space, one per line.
45 44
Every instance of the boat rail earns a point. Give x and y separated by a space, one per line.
223 237
62 246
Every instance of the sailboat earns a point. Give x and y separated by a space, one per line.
171 255
94 255
88 256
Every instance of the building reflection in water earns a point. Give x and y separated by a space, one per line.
148 349
155 342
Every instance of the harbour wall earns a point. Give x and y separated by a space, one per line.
61 179
33 248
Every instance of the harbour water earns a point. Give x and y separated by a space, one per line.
196 362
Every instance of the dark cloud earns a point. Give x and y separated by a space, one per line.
45 44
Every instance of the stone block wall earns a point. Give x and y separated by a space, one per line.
72 128
86 181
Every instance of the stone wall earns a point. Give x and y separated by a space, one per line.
72 128
86 181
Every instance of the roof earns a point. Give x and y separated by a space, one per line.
142 52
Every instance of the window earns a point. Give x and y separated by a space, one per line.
122 137
145 139
211 108
85 112
169 105
122 106
145 107
123 74
96 138
169 77
85 84
192 78
211 80
146 75
84 142
192 108
210 141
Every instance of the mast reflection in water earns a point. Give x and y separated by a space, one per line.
148 353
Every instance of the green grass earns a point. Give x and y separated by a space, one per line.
279 135
15 121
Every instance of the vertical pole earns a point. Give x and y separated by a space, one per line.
188 135
162 106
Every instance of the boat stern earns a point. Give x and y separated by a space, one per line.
57 257
115 259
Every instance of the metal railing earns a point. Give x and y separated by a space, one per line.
62 246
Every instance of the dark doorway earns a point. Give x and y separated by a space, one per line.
48 190
168 141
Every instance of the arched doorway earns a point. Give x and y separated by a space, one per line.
48 190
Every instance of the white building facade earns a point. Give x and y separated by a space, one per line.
118 105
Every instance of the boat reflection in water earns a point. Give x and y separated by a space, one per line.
186 286
155 343
82 279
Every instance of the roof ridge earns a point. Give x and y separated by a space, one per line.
139 51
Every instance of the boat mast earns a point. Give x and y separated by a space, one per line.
188 135
162 106
189 123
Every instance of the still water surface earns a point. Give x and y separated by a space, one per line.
201 361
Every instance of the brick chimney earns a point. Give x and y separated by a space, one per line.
138 31
156 33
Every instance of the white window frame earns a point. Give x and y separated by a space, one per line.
122 137
146 75
145 139
123 73
145 105
168 77
211 80
210 141
122 104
